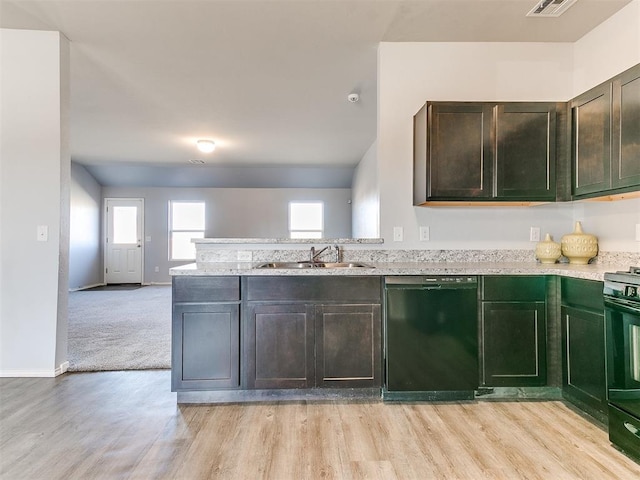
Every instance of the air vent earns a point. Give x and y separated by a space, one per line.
550 8
196 161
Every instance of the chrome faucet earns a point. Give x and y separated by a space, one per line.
314 255
337 253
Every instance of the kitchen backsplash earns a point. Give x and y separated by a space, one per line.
207 254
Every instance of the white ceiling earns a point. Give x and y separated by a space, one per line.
266 79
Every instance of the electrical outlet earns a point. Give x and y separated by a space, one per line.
534 234
424 234
637 232
245 256
397 234
157 269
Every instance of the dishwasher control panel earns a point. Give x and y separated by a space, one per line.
430 279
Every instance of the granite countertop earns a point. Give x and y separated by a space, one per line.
589 272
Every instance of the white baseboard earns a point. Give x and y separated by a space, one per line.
62 368
87 287
158 283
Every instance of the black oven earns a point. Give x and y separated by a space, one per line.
622 319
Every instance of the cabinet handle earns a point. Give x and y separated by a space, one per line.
632 429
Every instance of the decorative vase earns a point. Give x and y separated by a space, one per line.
548 251
579 247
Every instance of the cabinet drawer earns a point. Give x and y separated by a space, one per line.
513 288
206 289
587 294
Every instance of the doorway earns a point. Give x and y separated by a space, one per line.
124 246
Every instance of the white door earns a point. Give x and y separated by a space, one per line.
124 249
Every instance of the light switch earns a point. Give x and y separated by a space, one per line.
397 234
147 238
43 233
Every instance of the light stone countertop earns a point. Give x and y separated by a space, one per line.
287 241
589 272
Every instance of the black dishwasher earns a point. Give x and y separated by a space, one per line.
431 339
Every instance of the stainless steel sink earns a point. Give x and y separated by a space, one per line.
342 265
285 265
298 265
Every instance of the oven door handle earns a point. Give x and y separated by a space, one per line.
622 305
632 428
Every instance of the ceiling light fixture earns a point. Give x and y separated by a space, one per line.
206 146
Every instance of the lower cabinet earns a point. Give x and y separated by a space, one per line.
206 346
313 339
280 346
205 337
305 345
348 345
583 344
513 331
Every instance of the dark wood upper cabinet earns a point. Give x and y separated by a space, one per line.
625 170
460 151
526 151
606 137
485 152
591 141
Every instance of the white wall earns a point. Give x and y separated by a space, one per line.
85 252
607 50
35 177
410 74
231 212
365 208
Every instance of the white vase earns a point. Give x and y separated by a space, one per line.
548 251
579 247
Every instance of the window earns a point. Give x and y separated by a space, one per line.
186 221
306 219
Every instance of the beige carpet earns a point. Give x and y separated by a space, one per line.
120 329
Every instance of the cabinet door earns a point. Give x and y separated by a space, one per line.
205 346
280 346
513 344
584 375
348 346
591 141
625 168
460 152
526 151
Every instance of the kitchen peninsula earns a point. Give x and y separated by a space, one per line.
233 311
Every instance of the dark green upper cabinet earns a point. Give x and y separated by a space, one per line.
626 129
606 137
483 152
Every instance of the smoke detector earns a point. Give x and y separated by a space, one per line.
550 8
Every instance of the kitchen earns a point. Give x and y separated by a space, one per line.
407 77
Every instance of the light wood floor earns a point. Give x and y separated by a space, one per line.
114 425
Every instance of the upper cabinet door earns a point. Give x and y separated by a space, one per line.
459 151
526 151
591 141
625 164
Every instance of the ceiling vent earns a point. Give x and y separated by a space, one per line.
196 161
550 8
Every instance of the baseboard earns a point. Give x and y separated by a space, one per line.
158 283
87 287
62 368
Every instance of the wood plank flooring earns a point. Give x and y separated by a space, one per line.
126 425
